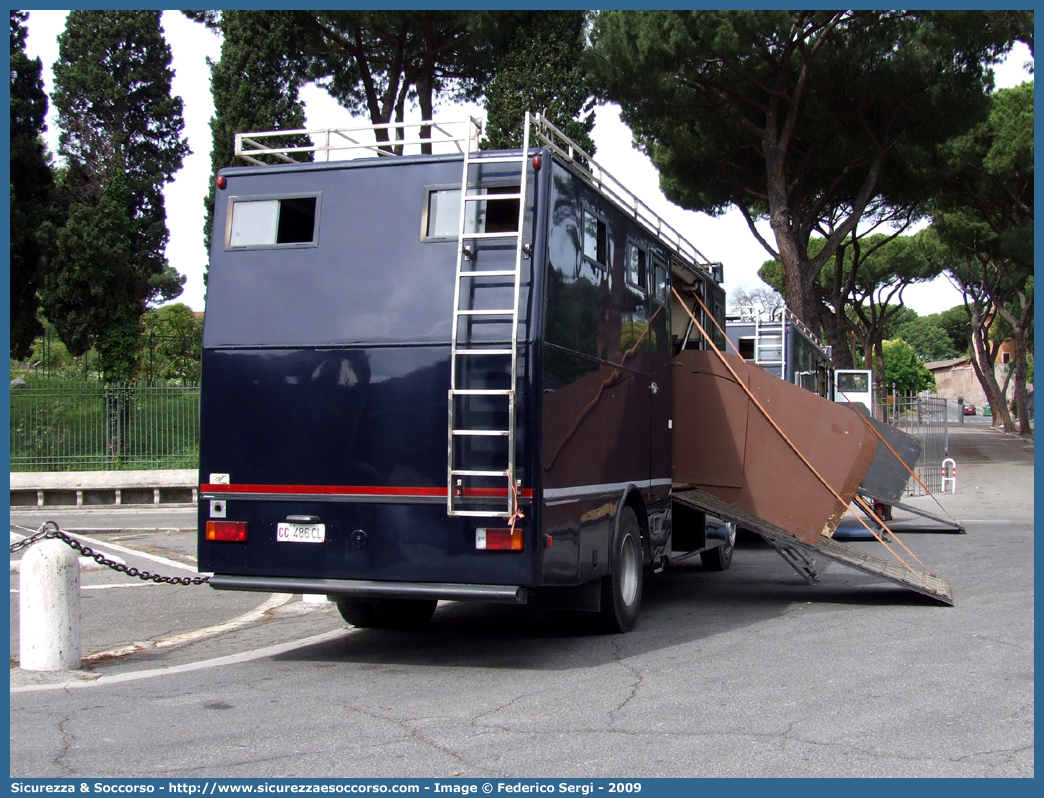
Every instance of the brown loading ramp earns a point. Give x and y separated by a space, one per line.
732 461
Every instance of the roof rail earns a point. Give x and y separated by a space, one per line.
560 143
455 136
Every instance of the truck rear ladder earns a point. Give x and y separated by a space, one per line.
470 487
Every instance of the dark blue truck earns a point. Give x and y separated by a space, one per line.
444 377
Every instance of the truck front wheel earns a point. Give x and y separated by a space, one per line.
622 588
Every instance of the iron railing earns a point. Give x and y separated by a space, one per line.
923 417
61 425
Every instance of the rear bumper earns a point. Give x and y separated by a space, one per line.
360 588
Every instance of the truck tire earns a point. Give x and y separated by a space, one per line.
622 588
720 558
358 613
405 613
387 613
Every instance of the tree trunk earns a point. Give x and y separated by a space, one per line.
982 363
424 100
1021 369
833 331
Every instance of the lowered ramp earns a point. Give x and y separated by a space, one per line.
801 555
778 460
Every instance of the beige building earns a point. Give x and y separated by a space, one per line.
956 378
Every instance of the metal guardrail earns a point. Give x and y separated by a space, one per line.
59 425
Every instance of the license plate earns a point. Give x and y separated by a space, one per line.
300 533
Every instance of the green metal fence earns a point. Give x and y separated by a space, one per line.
62 425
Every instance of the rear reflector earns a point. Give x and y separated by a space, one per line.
227 531
498 539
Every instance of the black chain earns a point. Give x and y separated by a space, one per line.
56 534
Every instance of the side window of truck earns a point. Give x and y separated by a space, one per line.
635 267
660 282
265 222
442 212
596 240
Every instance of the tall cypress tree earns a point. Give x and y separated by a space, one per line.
256 84
121 140
31 183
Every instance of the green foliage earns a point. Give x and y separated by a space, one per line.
373 62
811 119
956 325
31 184
171 344
982 229
904 369
121 139
928 339
255 84
85 283
541 70
987 207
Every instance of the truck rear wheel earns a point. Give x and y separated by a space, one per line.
358 613
622 588
387 613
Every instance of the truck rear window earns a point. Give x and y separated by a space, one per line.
481 216
273 221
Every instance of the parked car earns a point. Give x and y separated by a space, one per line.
969 410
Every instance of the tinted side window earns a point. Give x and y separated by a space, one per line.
596 240
635 266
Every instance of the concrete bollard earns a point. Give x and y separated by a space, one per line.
49 605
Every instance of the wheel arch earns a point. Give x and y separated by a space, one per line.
634 500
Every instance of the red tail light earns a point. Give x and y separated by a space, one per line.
227 531
498 539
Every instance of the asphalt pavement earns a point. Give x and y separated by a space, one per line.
750 672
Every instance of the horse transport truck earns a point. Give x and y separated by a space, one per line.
469 375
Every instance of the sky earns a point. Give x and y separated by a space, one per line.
725 239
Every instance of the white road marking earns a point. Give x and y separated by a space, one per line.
256 614
230 659
109 587
133 552
94 543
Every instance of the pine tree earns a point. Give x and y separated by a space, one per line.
121 140
541 70
31 184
